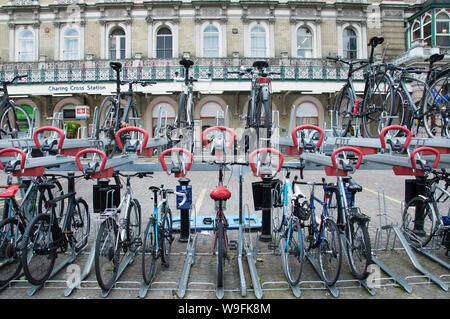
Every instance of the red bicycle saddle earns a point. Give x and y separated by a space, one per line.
220 193
10 191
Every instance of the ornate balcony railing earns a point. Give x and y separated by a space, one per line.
99 71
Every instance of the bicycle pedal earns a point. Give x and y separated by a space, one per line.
232 245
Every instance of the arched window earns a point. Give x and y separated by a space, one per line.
209 113
258 43
164 43
211 42
349 44
26 46
415 31
117 43
71 42
427 30
443 29
307 113
304 43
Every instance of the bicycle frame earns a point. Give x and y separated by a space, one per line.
324 215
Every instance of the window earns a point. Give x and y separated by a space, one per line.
350 51
306 113
164 43
416 31
209 114
26 46
71 43
258 42
304 43
211 42
117 44
443 29
427 30
167 111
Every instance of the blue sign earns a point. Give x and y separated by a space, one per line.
187 189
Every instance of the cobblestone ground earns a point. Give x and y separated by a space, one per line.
270 272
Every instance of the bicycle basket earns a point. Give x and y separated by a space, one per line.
303 210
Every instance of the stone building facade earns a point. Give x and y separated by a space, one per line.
65 46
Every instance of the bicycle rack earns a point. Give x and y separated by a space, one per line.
388 228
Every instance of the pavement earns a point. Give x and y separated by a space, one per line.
268 262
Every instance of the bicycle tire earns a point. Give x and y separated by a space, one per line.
436 110
377 103
400 114
38 259
294 252
106 255
47 193
106 123
149 253
279 211
167 237
181 110
133 221
330 252
11 118
342 110
359 253
79 225
418 232
11 235
220 254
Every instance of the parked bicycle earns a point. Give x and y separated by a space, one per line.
158 235
432 110
50 233
15 122
349 116
112 116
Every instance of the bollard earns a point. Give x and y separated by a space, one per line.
184 210
266 233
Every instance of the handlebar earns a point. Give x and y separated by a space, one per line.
267 150
90 150
395 127
17 77
15 150
348 62
128 129
222 128
49 128
307 126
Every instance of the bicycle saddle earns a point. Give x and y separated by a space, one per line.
186 63
220 193
374 41
260 64
353 187
434 58
116 66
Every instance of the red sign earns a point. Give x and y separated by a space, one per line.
82 112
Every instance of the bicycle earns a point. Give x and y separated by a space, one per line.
181 132
111 116
17 215
259 99
158 236
15 122
348 115
220 195
50 233
422 218
434 101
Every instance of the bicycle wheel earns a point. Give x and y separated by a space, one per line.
377 105
107 254
279 209
220 253
294 252
46 194
399 114
106 123
437 108
149 253
134 224
11 235
330 252
342 112
39 249
79 225
181 111
418 221
166 236
15 121
359 252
